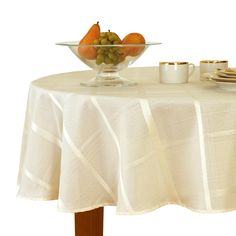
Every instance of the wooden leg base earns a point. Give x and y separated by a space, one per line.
89 223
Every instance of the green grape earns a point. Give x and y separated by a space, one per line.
117 42
108 34
111 37
100 59
112 56
99 50
106 51
100 40
112 49
96 41
105 42
98 62
116 62
108 60
103 34
119 50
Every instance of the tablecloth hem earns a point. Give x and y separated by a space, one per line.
86 208
124 212
177 204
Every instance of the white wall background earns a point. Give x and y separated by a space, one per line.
189 30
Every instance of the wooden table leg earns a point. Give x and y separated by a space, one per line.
89 223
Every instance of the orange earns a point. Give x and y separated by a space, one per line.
133 38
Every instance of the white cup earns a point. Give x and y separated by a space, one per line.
208 67
175 72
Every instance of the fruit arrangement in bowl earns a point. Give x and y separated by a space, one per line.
108 54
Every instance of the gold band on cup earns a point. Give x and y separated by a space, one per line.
174 63
213 61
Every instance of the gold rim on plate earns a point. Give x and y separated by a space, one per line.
223 79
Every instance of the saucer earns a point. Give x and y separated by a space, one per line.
224 79
222 74
228 71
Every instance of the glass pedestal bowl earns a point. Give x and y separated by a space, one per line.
107 61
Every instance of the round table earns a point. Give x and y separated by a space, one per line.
137 148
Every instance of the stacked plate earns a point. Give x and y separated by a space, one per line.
226 79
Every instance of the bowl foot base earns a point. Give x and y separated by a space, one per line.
108 81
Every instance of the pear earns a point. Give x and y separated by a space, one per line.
89 52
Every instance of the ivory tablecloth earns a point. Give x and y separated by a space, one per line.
138 148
